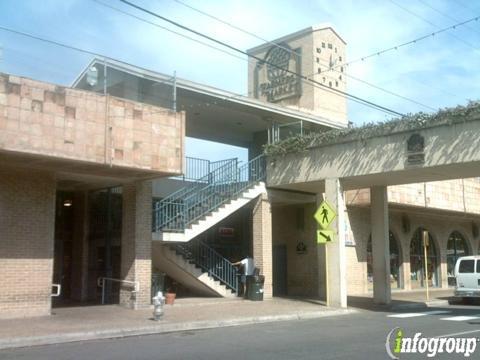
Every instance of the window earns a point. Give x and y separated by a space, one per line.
323 45
319 70
466 267
340 78
456 247
318 59
336 83
319 50
339 58
330 46
417 261
478 267
330 83
335 50
341 69
324 79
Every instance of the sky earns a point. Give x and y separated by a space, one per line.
440 71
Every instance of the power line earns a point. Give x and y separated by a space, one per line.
167 29
237 28
329 69
432 24
186 28
411 42
447 15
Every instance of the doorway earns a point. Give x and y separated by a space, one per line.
280 270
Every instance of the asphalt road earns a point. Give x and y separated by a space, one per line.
356 336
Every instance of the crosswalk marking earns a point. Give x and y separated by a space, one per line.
425 313
460 318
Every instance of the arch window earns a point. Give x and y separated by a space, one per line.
417 261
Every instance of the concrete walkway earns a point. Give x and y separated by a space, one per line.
405 300
111 321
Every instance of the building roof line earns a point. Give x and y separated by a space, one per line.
310 29
210 91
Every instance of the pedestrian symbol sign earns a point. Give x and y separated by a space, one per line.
324 236
324 215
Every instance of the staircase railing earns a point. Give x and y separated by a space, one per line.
176 214
211 262
168 211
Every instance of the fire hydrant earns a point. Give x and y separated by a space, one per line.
158 302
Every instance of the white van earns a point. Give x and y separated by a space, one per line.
467 275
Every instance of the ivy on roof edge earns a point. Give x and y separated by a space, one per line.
409 122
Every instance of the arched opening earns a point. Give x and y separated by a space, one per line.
395 261
417 261
456 247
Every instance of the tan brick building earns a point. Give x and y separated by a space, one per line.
99 202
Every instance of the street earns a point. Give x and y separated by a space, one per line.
357 336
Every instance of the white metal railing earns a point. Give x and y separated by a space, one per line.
59 290
101 283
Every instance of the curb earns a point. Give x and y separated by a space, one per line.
161 329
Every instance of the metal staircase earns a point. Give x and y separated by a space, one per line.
196 207
191 210
210 261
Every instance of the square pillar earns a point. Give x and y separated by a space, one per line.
262 241
380 245
136 263
336 259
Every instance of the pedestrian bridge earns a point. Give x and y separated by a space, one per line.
382 156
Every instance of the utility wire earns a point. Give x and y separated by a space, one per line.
411 42
167 29
238 28
432 24
329 69
262 61
447 16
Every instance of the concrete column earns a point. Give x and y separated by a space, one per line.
137 243
337 279
79 284
380 245
262 241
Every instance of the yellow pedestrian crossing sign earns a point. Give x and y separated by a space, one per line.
324 236
324 215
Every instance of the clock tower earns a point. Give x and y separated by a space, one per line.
318 53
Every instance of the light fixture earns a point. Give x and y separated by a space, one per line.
67 203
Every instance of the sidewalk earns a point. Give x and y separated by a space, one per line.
405 300
111 321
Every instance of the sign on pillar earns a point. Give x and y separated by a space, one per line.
325 216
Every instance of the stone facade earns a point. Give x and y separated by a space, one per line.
27 214
38 118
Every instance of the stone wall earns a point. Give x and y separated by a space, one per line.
49 120
458 195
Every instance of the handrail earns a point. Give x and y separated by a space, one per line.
59 290
101 283
210 261
171 208
178 214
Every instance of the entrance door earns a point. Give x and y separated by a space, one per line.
280 270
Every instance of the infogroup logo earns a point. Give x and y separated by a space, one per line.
397 343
